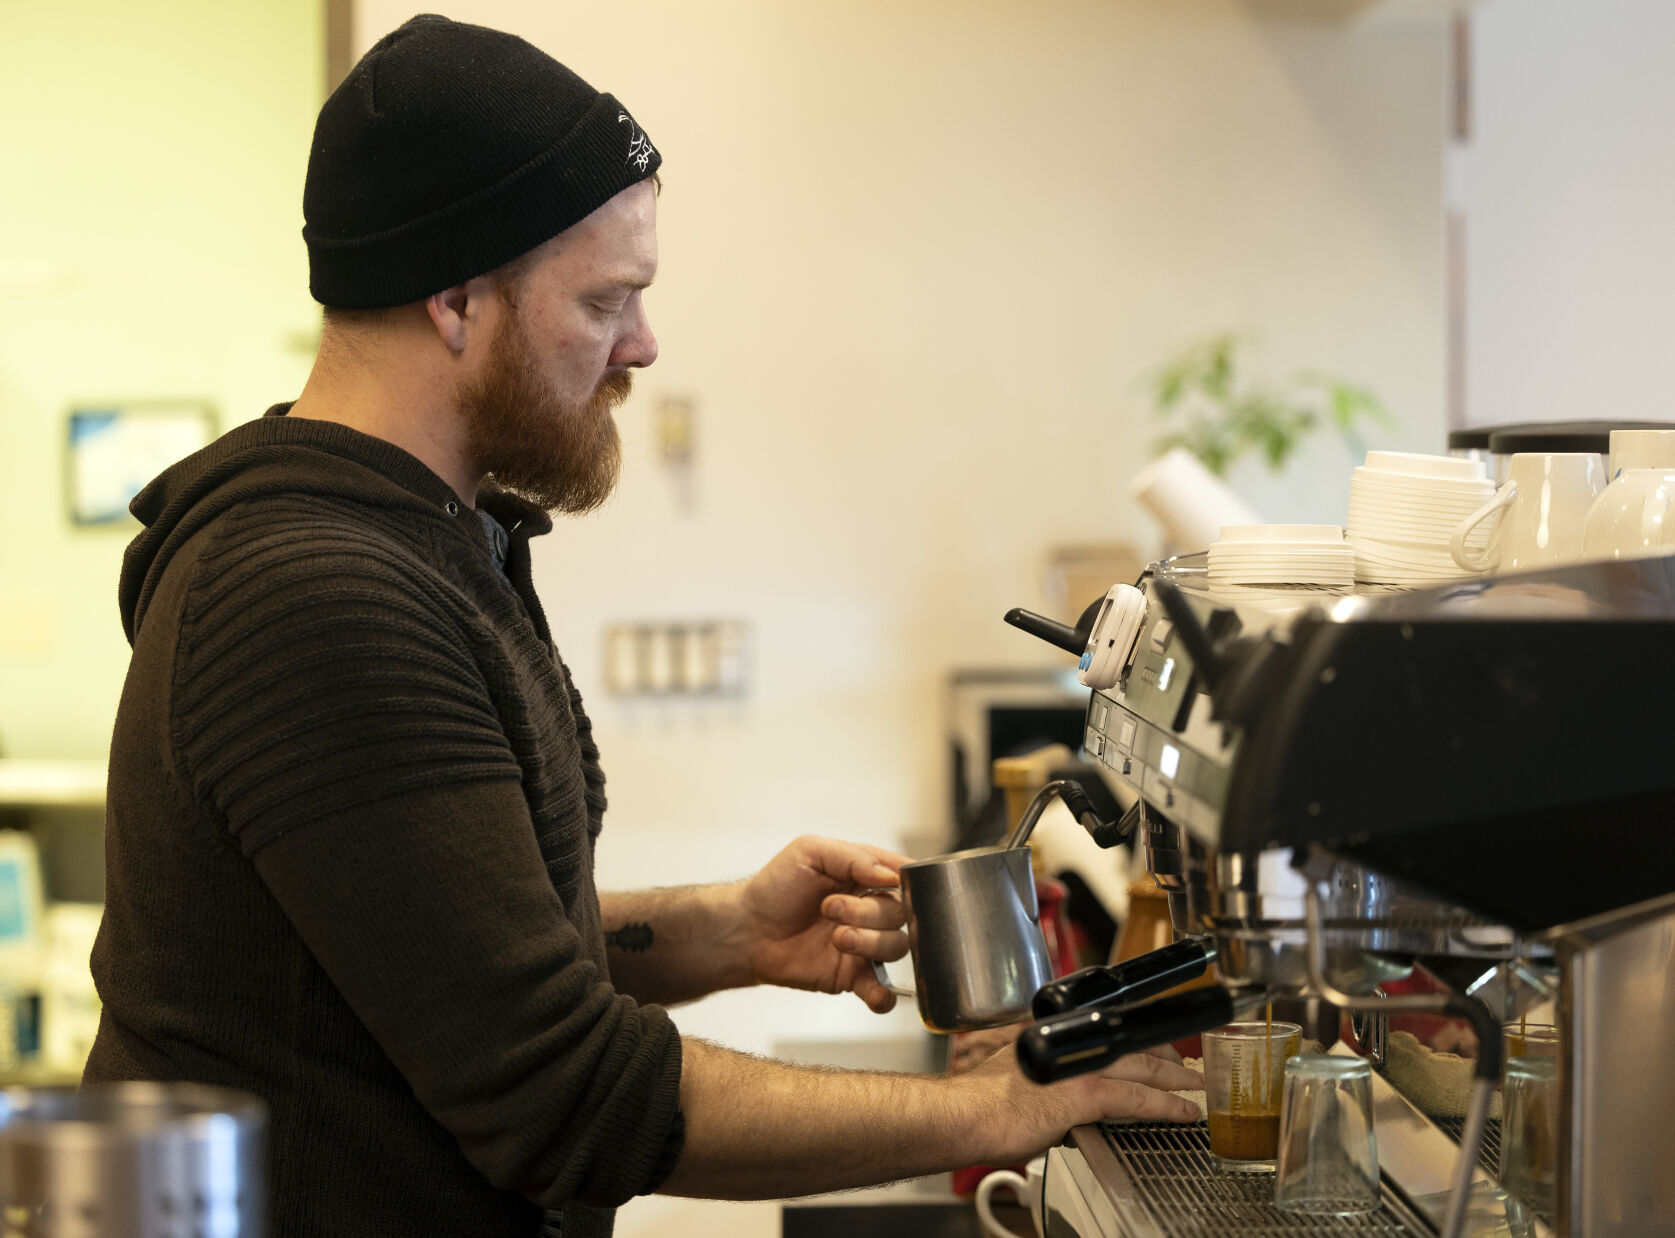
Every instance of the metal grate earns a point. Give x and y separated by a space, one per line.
1188 1196
1489 1155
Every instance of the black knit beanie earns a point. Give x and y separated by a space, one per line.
449 150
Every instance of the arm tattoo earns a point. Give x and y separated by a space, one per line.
634 938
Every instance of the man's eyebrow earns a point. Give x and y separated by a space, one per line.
630 282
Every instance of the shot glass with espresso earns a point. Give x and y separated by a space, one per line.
1244 1075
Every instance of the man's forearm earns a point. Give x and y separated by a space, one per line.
673 945
759 1129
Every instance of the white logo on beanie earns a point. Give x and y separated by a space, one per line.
640 149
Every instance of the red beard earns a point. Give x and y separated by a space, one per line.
552 452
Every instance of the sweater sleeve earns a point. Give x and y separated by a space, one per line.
338 723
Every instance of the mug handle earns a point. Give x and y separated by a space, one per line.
1016 1183
1457 543
882 976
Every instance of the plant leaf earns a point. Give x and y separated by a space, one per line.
1224 421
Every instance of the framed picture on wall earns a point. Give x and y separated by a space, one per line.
111 452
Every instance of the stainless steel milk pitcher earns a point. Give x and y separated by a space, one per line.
974 928
974 925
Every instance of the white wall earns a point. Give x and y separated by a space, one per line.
916 262
151 166
1570 193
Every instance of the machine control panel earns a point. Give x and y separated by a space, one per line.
1153 729
1175 773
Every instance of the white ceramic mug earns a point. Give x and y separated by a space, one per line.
1634 516
985 1207
1541 510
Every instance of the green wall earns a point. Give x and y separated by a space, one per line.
151 164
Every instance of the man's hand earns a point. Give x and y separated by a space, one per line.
808 926
800 922
1140 1085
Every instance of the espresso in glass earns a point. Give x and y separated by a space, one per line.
1244 1072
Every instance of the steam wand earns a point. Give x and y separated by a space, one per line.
1077 801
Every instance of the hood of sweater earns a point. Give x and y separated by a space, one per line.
276 454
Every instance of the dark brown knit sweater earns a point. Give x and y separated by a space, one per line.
353 802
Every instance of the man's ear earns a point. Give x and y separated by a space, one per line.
447 310
460 312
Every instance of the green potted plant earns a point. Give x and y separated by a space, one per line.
1221 415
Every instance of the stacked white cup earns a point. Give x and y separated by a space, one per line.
1404 508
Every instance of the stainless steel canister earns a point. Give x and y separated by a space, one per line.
131 1160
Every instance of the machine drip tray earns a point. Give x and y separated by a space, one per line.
1489 1155
1172 1177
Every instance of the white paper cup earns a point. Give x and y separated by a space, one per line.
1190 502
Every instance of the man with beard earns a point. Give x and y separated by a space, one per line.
354 795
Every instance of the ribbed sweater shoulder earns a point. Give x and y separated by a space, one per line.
343 636
328 657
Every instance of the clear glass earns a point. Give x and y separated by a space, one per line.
1328 1157
1244 1070
1530 1134
1529 1040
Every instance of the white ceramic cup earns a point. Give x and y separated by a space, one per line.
1541 510
1635 516
1641 449
1015 1183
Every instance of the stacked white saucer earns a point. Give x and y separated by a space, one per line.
1281 554
1404 507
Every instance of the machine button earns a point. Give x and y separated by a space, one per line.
1125 736
1162 630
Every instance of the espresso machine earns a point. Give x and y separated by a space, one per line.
1341 789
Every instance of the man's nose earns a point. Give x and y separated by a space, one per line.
638 347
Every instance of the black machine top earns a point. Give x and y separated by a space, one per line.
1463 738
1592 436
1476 438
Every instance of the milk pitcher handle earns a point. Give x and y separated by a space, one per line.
1457 543
882 976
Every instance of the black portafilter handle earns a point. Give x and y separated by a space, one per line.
1124 983
1080 1041
1071 640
